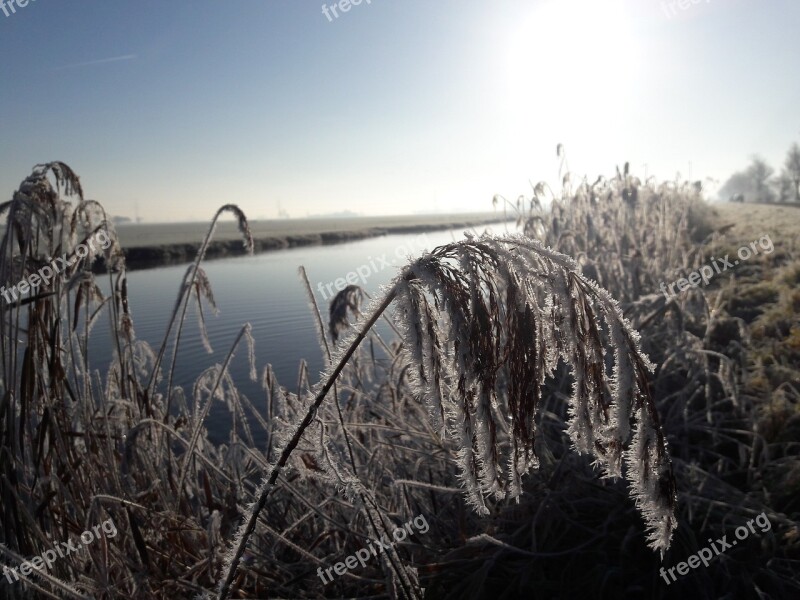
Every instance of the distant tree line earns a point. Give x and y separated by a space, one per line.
758 182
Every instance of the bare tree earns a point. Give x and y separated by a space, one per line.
790 177
760 174
754 183
737 188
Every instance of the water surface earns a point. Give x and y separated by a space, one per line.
266 291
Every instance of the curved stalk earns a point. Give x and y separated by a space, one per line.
264 489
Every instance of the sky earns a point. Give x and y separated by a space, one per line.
168 110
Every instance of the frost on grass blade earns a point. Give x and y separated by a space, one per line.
479 321
484 322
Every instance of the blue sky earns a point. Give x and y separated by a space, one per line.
397 106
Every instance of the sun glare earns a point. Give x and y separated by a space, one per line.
569 63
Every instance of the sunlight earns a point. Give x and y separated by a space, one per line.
568 63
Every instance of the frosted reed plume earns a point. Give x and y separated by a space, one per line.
45 380
349 299
82 443
484 322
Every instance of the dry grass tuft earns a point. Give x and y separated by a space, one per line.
504 344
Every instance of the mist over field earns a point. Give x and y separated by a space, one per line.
404 300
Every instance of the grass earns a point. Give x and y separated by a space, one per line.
419 424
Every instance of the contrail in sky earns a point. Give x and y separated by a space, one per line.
100 61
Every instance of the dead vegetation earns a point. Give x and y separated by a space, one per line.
459 401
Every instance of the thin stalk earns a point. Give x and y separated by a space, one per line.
199 423
266 487
364 495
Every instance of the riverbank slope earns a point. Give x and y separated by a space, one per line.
148 246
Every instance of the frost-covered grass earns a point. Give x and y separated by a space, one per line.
508 356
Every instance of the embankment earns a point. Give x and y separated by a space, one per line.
149 246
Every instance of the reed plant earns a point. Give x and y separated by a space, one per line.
631 235
509 356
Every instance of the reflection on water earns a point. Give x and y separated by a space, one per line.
266 291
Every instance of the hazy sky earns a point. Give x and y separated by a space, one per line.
395 106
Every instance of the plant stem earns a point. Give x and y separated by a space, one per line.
264 490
